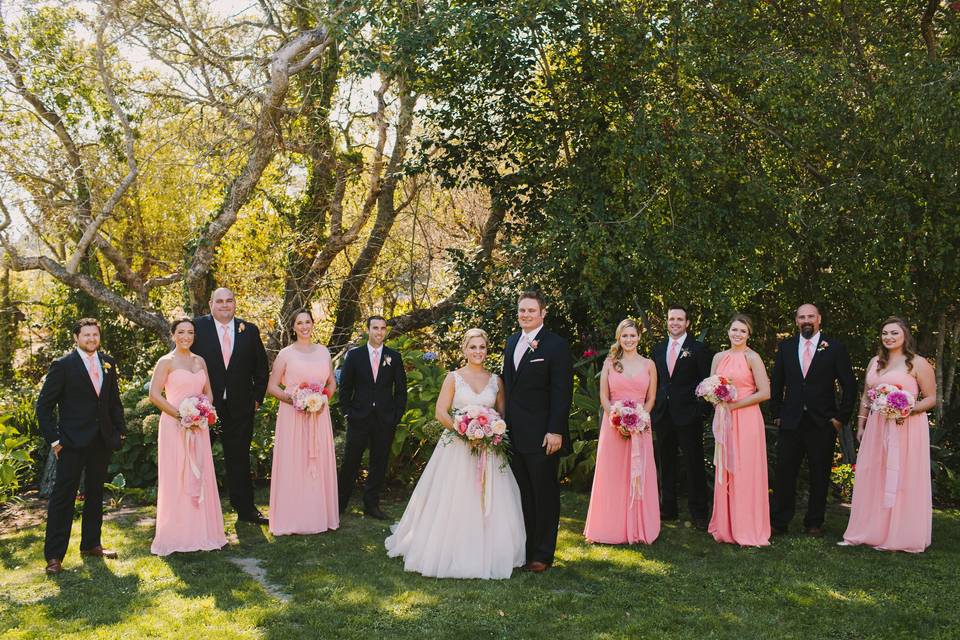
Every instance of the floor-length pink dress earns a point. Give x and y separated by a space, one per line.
188 505
892 506
741 504
623 511
303 487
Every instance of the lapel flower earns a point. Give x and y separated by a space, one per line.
106 367
534 344
241 327
823 346
387 360
684 353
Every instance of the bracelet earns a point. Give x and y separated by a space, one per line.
862 416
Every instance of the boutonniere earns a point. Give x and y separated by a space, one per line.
107 366
684 353
241 327
823 346
533 345
387 361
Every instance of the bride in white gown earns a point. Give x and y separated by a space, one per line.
447 530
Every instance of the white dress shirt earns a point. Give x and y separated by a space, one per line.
96 362
802 343
525 342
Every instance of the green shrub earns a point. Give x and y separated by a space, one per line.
577 467
15 460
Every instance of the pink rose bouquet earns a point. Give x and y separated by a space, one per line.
891 401
197 412
482 428
717 390
629 418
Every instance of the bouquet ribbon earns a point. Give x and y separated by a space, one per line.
193 469
724 455
311 425
482 485
638 463
891 471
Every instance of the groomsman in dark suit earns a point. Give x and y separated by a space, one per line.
373 396
80 415
803 401
538 384
237 363
682 363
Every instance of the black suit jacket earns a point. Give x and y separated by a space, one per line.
539 392
360 396
245 380
69 409
791 394
676 394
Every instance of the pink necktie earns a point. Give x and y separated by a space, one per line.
376 363
225 346
94 373
519 351
807 357
672 357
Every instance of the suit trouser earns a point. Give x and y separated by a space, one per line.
536 475
93 459
236 435
368 432
688 438
815 441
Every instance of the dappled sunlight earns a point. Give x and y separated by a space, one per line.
409 605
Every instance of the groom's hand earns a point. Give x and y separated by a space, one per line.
552 442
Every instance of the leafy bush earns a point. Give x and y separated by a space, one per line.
842 478
15 459
578 466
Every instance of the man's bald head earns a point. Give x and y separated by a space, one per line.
223 305
808 320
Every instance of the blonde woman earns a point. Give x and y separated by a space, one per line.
463 520
625 502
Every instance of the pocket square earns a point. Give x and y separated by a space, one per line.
537 360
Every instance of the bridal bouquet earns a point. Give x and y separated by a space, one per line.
717 390
891 401
482 428
628 418
309 397
197 411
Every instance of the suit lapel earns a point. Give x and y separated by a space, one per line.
816 353
666 351
82 368
529 351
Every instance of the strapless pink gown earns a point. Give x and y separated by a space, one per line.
615 516
188 504
741 503
892 505
303 485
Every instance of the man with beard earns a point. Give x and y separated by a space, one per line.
804 404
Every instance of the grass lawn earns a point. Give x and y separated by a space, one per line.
342 585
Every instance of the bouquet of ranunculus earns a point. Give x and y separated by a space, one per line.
197 411
891 401
628 417
309 397
482 428
717 390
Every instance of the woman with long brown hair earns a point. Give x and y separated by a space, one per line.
892 497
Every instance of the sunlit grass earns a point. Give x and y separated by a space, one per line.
342 585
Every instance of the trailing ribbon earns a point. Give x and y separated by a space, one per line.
891 443
637 467
192 469
311 425
482 485
724 454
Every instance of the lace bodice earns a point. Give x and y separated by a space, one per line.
464 395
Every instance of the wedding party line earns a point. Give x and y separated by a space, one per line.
488 500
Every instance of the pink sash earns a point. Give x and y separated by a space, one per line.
310 423
724 453
891 472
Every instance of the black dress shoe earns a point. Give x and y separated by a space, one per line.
701 524
256 518
376 512
669 517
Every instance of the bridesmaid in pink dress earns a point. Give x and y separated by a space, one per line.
188 505
303 485
625 500
892 498
741 506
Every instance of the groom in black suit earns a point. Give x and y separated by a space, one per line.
80 415
373 396
803 402
682 362
237 363
538 381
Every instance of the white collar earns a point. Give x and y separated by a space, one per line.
815 339
679 340
86 356
226 325
532 335
372 350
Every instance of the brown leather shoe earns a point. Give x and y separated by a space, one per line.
537 567
53 567
816 532
98 552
